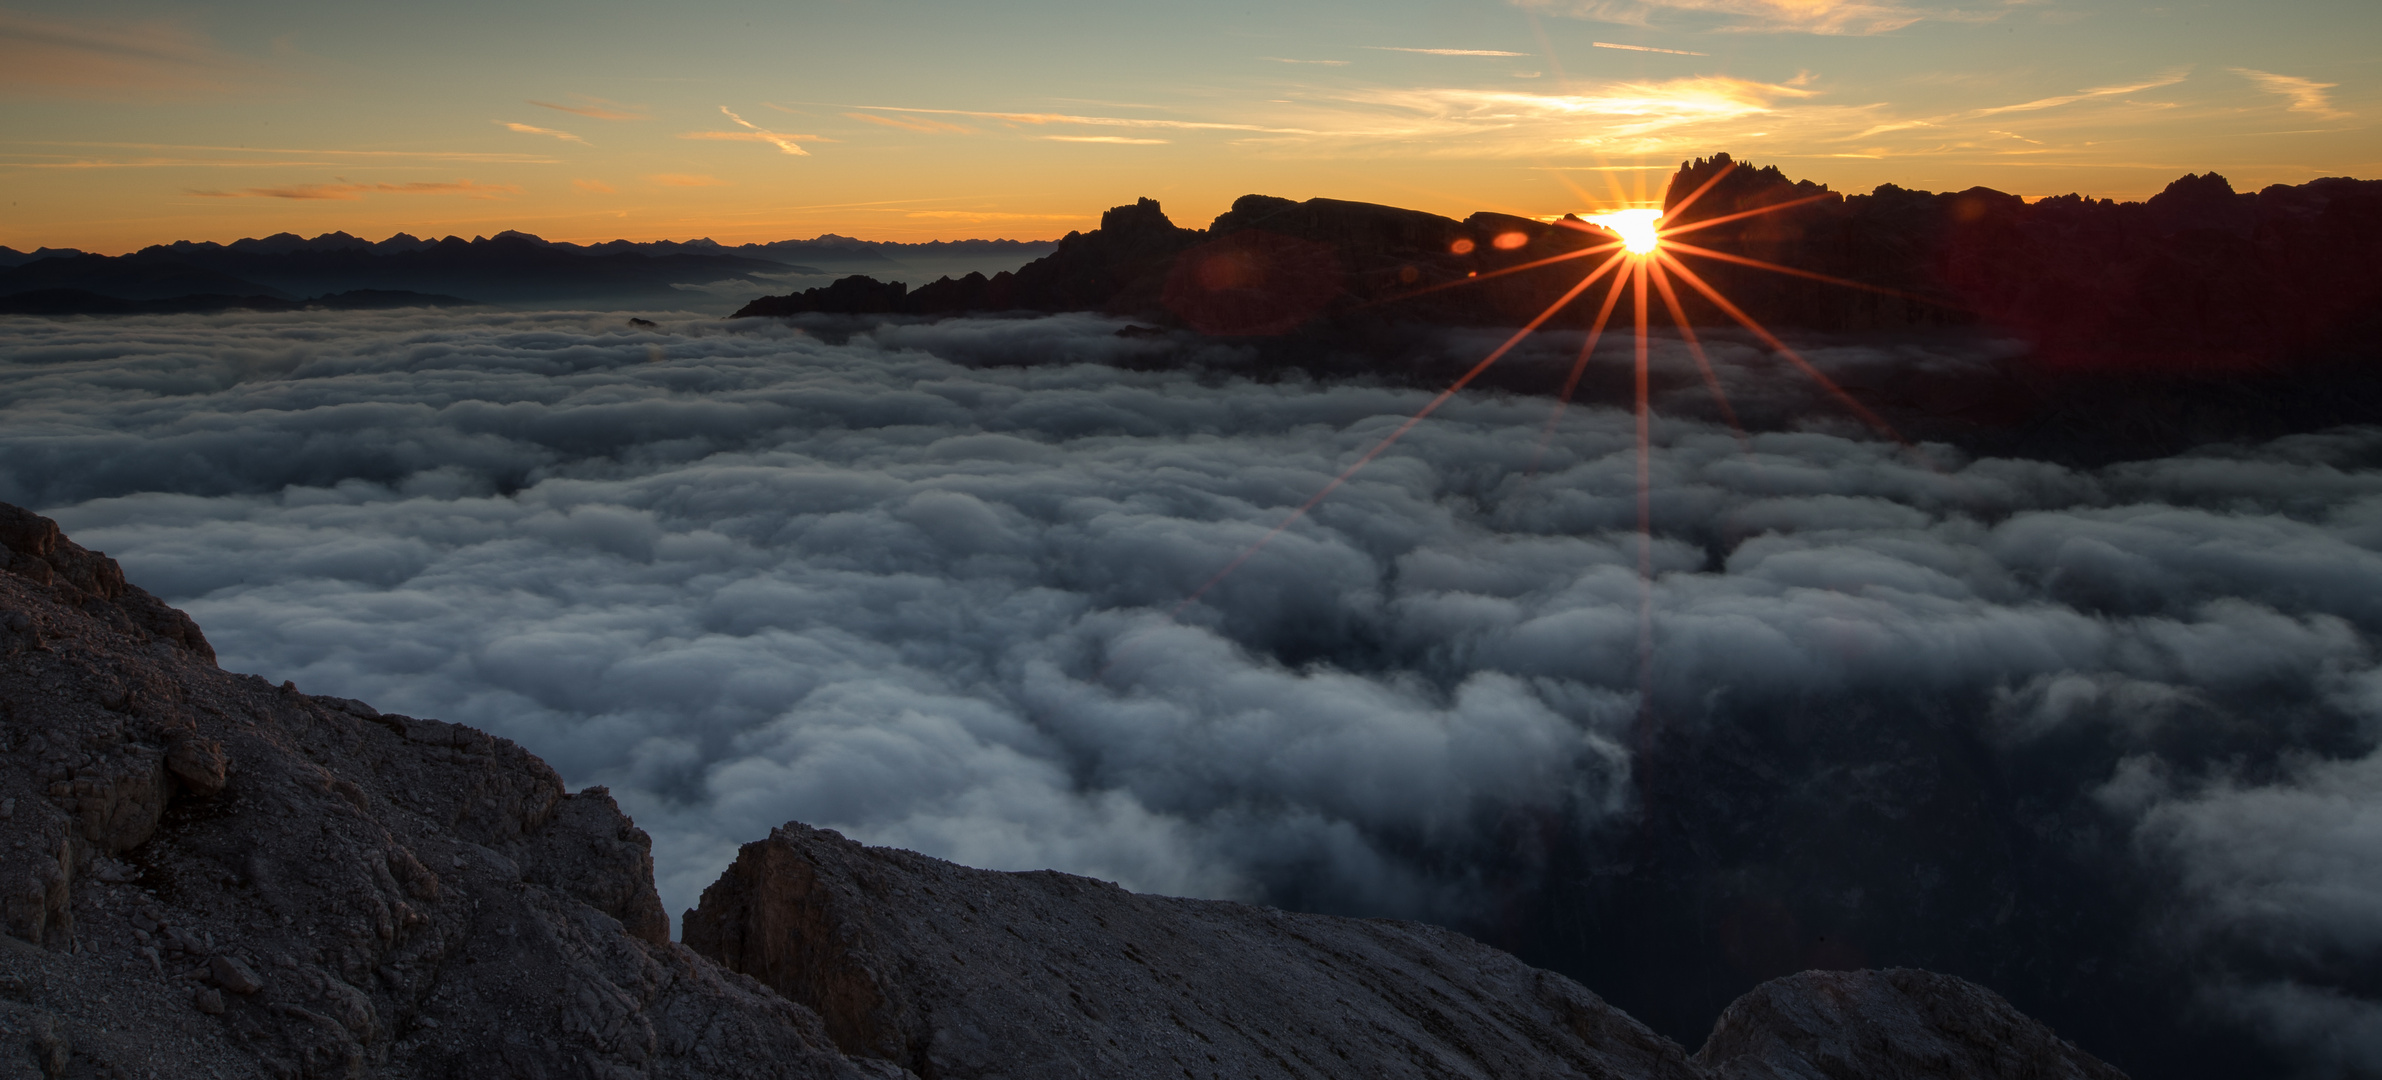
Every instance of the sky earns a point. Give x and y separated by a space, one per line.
131 123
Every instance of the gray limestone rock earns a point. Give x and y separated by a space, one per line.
203 874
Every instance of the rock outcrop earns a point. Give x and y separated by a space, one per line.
203 874
207 875
957 974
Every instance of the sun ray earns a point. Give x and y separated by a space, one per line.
1698 193
1476 279
1571 382
1780 347
1645 419
1758 264
1740 215
1451 391
1695 346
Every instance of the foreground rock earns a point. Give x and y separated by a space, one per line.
206 875
956 974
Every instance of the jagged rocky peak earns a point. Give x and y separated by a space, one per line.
208 875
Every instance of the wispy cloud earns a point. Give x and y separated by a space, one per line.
597 186
1444 52
1117 139
113 58
375 157
598 109
913 123
349 192
1094 121
532 129
1645 48
756 133
2307 95
1289 60
686 180
1842 17
2169 78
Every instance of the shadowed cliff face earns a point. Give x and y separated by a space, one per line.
209 876
961 974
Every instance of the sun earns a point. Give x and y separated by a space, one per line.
1640 230
1643 257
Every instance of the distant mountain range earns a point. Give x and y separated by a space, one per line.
2199 276
510 268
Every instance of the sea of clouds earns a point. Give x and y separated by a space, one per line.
919 584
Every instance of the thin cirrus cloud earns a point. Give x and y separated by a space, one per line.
756 133
1120 140
1644 48
686 180
2165 79
1832 17
1292 60
350 192
2307 95
597 186
1093 121
113 59
913 123
532 129
1603 116
1444 52
600 109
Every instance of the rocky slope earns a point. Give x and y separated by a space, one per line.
958 974
206 875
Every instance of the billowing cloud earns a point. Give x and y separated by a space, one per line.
914 584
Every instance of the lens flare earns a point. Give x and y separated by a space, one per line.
1637 228
1646 265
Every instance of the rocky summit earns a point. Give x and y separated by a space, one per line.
206 875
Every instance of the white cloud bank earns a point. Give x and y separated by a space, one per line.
900 587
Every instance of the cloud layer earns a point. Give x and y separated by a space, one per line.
908 586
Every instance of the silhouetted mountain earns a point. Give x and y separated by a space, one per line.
2196 278
508 268
85 302
12 257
